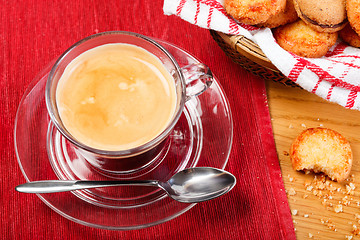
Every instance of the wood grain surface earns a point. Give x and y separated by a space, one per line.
321 208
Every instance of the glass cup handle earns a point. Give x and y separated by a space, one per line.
198 78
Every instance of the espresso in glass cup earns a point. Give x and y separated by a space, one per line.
116 96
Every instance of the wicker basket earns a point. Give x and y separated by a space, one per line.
248 54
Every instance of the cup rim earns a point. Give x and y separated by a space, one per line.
121 153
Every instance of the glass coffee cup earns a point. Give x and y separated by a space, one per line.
188 82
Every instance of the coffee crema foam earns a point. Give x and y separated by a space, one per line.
116 97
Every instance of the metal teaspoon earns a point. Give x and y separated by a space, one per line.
191 185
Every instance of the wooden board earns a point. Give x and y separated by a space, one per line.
321 213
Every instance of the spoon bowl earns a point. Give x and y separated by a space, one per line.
191 185
199 184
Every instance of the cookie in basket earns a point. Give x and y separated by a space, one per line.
322 150
253 12
322 15
299 38
350 36
287 16
353 14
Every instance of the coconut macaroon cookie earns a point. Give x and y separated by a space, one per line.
299 38
350 36
322 15
322 150
353 14
253 12
287 16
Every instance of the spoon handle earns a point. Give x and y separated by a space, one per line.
53 186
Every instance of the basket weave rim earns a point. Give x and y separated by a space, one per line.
249 55
248 48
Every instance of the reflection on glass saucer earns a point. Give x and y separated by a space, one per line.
202 137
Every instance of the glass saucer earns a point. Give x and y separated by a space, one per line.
202 137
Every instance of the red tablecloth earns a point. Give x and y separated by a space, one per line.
34 32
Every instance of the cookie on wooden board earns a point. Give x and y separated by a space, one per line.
322 150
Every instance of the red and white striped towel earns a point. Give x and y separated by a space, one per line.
334 77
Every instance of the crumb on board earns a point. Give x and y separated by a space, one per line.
328 223
355 230
291 179
350 188
294 212
345 201
291 192
338 208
